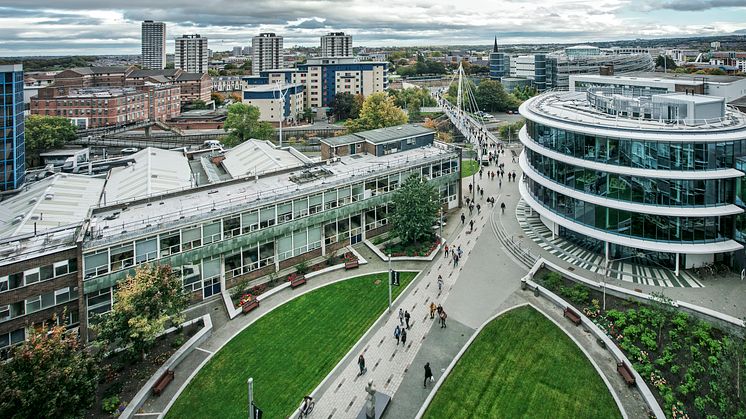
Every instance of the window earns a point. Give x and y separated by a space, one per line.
3 283
122 256
62 296
314 204
191 237
300 207
4 313
267 217
170 243
46 272
232 226
31 276
96 263
330 199
249 222
99 302
146 250
192 278
211 232
61 268
284 212
33 304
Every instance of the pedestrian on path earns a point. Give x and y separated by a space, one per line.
502 207
500 183
471 208
401 317
479 207
445 253
406 318
471 226
397 334
481 196
455 260
361 363
440 284
459 251
428 373
404 337
443 317
463 218
432 310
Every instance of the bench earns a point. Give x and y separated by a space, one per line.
162 382
351 264
298 281
626 373
249 306
572 315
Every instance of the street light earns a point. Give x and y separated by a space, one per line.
282 105
391 279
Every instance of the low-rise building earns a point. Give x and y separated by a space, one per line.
276 101
227 84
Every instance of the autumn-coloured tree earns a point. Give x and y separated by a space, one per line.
145 304
50 375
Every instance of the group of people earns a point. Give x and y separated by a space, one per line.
455 252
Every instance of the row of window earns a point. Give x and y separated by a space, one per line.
35 275
634 224
669 192
183 239
651 154
37 303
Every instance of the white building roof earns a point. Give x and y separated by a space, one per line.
257 156
60 200
154 171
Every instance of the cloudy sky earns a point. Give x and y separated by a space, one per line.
68 27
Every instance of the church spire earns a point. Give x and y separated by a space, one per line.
494 49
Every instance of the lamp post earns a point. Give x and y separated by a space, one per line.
391 279
250 384
282 106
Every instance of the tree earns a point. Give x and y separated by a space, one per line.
491 96
50 375
416 206
243 123
344 106
308 114
236 97
212 72
145 303
378 111
169 66
45 133
510 131
664 61
218 98
523 93
246 67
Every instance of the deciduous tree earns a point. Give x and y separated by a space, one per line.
243 124
145 303
50 375
45 133
416 206
378 111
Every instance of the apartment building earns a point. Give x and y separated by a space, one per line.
191 54
153 45
276 102
336 44
266 52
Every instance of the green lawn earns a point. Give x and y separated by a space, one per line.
522 365
288 351
468 168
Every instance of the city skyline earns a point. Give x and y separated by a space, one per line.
69 27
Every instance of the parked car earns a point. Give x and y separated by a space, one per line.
129 150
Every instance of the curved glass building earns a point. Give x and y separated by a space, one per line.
659 175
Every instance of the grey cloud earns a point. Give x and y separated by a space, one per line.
698 5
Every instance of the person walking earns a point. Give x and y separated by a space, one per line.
440 284
445 254
397 334
432 310
463 218
459 251
443 317
406 318
404 337
401 317
428 373
361 363
471 226
481 196
500 183
479 207
502 207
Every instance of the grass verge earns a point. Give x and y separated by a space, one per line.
523 365
288 351
468 168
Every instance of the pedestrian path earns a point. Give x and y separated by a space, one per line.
386 361
635 269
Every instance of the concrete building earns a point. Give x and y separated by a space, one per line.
336 44
13 162
267 52
378 142
276 101
633 174
153 45
729 87
729 60
325 77
95 107
191 54
227 84
237 51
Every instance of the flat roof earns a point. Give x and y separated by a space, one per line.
692 98
270 87
685 77
342 140
384 135
56 201
227 198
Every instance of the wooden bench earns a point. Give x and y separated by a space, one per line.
572 315
298 281
352 264
162 382
249 306
626 373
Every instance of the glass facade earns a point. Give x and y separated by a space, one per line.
651 191
662 155
12 150
688 230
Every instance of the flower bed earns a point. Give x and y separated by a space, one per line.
694 368
423 249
